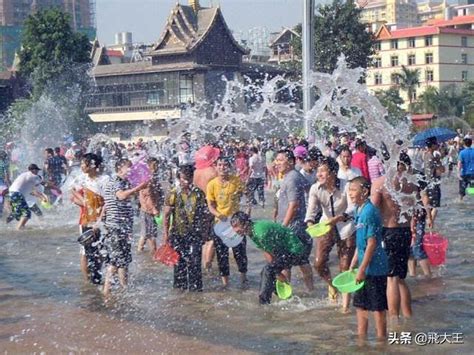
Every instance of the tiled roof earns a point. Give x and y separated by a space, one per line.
423 116
114 53
385 33
459 20
186 29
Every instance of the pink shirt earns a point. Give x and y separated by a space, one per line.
376 168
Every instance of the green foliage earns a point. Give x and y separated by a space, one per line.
50 48
12 121
338 30
409 80
392 101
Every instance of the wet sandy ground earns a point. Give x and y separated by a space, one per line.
46 308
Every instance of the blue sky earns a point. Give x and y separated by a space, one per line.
146 18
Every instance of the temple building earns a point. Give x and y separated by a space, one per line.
187 64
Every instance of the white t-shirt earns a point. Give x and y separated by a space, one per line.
257 166
25 183
347 175
96 185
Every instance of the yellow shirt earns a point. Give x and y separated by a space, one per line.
226 195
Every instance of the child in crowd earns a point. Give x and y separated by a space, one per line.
372 261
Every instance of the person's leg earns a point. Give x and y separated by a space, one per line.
463 183
84 267
380 324
393 298
268 278
209 252
22 222
222 252
426 267
109 275
419 251
195 266
251 187
180 278
412 267
345 251
405 299
240 256
323 248
123 276
308 280
362 322
151 245
261 191
141 243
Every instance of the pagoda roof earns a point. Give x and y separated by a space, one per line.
186 29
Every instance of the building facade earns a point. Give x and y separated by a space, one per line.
14 12
187 64
443 55
282 47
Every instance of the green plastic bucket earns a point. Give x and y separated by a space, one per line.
46 205
318 230
470 190
283 290
345 282
159 220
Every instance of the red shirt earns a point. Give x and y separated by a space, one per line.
359 161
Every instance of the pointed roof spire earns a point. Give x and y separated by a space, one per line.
195 5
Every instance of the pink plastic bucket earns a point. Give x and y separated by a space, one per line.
435 246
139 173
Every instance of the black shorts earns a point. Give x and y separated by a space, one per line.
119 248
373 296
306 240
465 182
434 195
397 246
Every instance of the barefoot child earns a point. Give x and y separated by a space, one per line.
372 261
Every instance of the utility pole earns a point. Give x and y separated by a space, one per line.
308 60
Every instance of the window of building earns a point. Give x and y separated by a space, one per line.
411 42
378 46
429 75
395 79
394 61
155 98
428 40
464 75
464 58
378 79
428 58
464 41
377 62
186 95
394 44
413 95
411 59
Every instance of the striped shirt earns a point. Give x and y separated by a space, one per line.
376 168
118 213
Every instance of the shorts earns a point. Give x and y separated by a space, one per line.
373 296
19 206
434 195
149 228
118 245
417 250
464 183
397 246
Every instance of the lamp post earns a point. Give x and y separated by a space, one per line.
308 60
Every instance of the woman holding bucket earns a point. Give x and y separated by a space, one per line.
327 195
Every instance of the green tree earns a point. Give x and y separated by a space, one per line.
392 101
430 100
337 31
51 50
409 80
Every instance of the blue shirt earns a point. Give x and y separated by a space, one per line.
369 225
466 157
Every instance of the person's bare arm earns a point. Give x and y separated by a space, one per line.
290 212
369 253
376 195
124 194
166 223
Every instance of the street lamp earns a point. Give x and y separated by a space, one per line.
308 60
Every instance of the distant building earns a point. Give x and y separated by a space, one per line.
186 65
444 54
9 89
14 12
281 46
399 13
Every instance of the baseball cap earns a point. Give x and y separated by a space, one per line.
300 152
32 167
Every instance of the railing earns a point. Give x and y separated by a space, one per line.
130 108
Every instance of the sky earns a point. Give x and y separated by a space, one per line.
146 18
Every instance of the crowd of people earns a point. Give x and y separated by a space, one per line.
192 188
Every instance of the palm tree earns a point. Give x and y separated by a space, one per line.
408 80
431 100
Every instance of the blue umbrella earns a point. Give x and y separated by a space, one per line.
441 135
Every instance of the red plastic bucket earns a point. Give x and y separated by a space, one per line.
166 255
435 246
